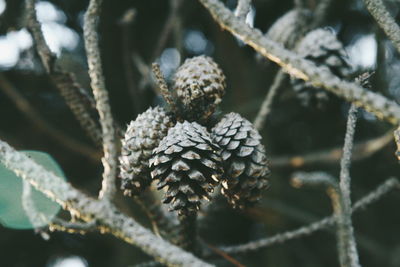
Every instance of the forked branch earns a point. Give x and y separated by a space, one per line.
304 69
107 217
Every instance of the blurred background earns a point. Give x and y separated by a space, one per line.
136 33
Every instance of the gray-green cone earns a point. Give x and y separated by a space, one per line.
199 85
245 163
188 165
141 137
323 48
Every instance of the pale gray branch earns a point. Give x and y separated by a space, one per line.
348 254
324 179
108 218
36 218
300 68
242 9
77 99
326 222
385 20
102 100
265 108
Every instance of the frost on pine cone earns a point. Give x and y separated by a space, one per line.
290 26
323 48
199 85
141 137
188 164
245 163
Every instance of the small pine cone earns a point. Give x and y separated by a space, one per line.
323 48
245 163
288 28
188 164
141 137
199 85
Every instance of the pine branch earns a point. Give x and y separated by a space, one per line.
79 102
100 93
266 106
309 229
298 67
348 254
242 9
385 20
107 217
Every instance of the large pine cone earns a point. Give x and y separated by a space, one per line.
245 163
141 137
323 48
288 28
188 164
199 85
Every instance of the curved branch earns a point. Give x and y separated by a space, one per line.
326 222
108 218
348 254
300 68
77 99
362 150
102 100
265 108
385 20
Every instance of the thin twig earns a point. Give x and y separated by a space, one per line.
77 99
37 219
362 150
348 254
109 219
225 255
162 224
170 23
304 69
265 108
47 57
102 100
324 179
145 72
242 9
162 85
33 115
309 229
385 20
126 23
168 26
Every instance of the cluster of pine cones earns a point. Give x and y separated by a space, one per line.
189 155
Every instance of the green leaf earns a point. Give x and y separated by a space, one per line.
12 214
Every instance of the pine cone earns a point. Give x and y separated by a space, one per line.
245 163
323 48
288 28
199 85
188 164
141 137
